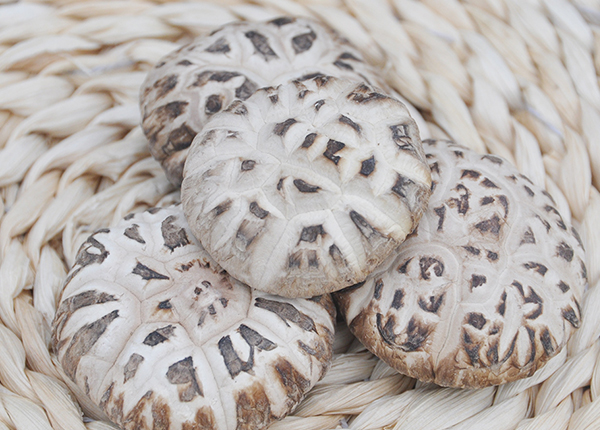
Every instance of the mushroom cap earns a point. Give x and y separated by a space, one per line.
305 188
160 336
485 291
191 84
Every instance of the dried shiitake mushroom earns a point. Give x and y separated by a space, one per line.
305 188
200 79
485 291
159 336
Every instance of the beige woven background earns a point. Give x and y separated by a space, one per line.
517 78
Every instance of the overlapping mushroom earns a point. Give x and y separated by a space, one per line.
160 336
304 188
202 78
486 289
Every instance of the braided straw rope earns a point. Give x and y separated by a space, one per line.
517 78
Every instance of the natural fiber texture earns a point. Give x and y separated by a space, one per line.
510 77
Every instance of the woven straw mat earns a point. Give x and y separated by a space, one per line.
517 78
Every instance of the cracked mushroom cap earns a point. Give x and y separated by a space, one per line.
485 291
191 84
159 336
305 188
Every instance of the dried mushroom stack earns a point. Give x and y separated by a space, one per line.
296 190
489 286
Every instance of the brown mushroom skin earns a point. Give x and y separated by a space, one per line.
158 335
485 291
188 86
305 188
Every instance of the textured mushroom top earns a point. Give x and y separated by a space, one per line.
485 291
305 188
160 336
196 81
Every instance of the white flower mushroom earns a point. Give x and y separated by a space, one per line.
189 85
485 291
159 336
305 188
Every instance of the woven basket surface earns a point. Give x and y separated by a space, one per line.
516 78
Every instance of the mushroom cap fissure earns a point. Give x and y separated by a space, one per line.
156 332
485 291
190 85
328 220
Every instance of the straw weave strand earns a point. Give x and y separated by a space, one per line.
509 77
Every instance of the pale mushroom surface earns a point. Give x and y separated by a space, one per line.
485 291
193 83
160 336
305 188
